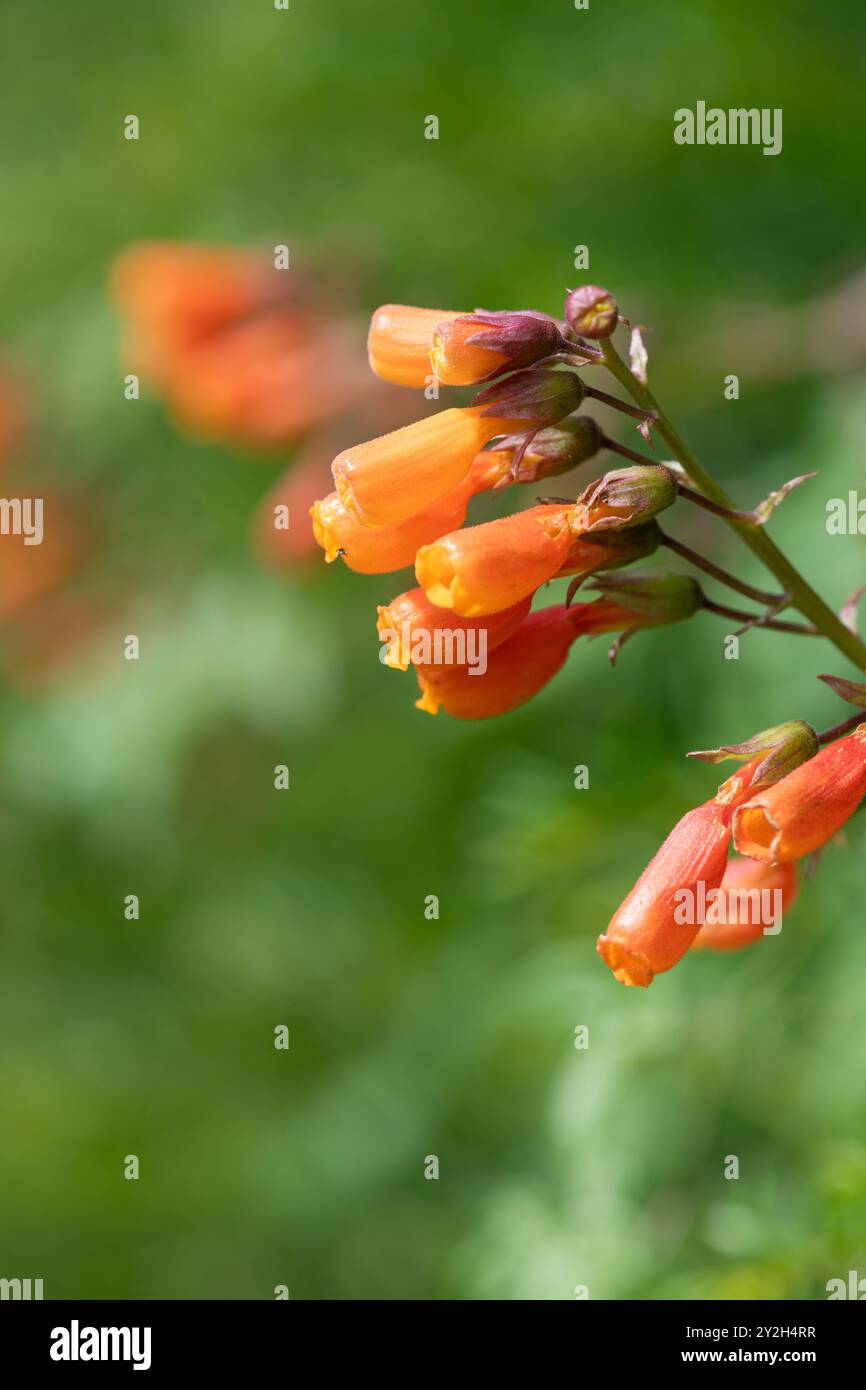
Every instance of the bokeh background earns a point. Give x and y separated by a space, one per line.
412 1037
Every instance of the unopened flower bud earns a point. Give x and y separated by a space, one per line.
537 396
610 549
624 497
592 311
658 598
785 746
555 450
479 346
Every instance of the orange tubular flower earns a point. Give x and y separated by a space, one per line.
485 568
516 670
414 627
400 341
804 810
518 667
645 936
387 480
660 917
383 549
745 908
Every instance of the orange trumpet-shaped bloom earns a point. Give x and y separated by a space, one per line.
653 927
661 916
400 340
516 670
485 568
382 549
387 480
414 627
518 667
751 897
804 810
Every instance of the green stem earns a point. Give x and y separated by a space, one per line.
801 594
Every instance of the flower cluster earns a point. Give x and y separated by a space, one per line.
402 499
788 801
478 648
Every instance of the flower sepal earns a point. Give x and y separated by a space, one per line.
852 691
658 598
786 746
552 451
624 497
538 395
479 346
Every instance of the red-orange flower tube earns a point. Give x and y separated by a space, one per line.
521 666
644 936
804 810
752 898
387 480
482 569
383 549
658 920
413 627
400 340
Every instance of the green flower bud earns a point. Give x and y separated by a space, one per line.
787 746
657 598
539 396
554 450
624 497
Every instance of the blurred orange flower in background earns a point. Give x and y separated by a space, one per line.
243 352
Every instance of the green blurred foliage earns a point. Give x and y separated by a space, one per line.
409 1037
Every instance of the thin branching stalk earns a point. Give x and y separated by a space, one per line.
800 594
